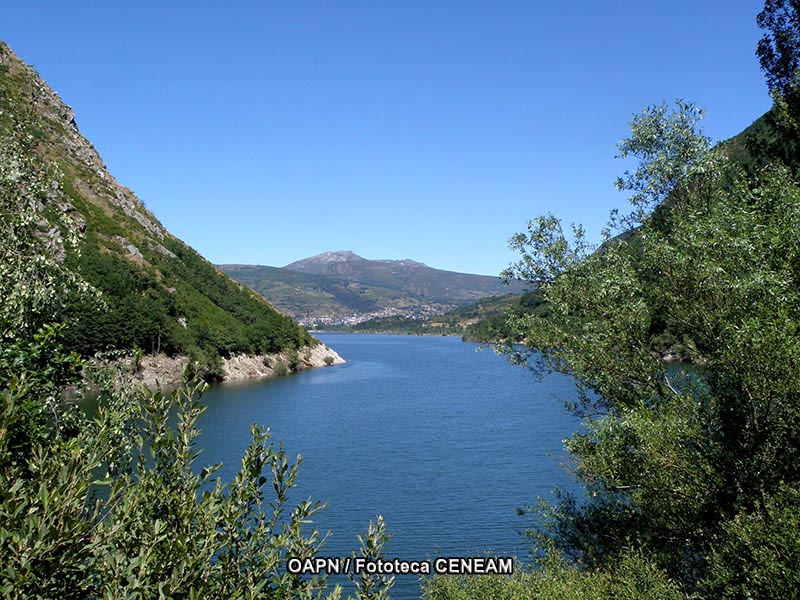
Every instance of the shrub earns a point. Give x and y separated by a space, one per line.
293 359
205 364
280 368
634 578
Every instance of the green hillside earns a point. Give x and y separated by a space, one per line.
416 278
338 285
483 321
306 295
156 293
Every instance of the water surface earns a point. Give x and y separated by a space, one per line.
442 440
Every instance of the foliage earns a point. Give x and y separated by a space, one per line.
633 578
372 543
671 152
46 524
187 535
35 284
118 509
36 288
779 55
682 466
206 365
293 360
494 326
779 52
758 545
280 368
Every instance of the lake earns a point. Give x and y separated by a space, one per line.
443 440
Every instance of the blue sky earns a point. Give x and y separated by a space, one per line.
263 132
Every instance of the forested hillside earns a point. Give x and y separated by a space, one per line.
150 290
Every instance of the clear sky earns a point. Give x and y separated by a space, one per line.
265 131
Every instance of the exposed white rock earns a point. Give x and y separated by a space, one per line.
168 371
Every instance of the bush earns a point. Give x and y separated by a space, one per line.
293 359
668 460
634 578
280 368
119 510
760 551
205 364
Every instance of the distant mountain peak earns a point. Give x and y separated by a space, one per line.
322 263
337 256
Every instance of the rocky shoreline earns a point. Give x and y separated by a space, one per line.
162 370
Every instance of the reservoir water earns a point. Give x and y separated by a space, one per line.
441 439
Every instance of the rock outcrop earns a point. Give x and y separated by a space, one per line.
168 371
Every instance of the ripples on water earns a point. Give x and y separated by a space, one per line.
443 441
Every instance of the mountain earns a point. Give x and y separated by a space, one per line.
407 275
157 292
345 287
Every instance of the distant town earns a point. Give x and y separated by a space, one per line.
314 322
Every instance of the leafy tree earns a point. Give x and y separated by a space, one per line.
779 54
779 51
670 150
114 506
672 461
36 290
35 284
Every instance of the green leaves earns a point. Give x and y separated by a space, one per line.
686 467
35 285
671 150
373 586
154 526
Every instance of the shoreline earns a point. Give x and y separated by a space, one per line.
386 333
161 370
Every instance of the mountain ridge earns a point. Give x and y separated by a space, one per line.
314 262
341 287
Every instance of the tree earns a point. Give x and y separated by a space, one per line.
779 51
114 506
671 151
670 460
779 54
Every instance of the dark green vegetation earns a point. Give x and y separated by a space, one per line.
484 321
340 284
115 506
490 323
153 291
692 481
